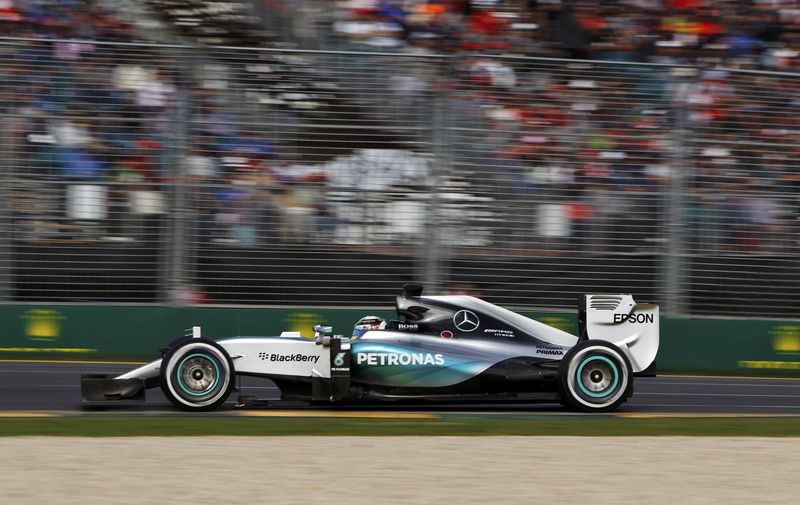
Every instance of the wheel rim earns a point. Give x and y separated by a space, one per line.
198 375
597 376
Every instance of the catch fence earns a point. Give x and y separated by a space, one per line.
144 173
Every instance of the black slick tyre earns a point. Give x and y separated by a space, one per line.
595 376
197 375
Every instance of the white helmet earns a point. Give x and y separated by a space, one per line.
368 323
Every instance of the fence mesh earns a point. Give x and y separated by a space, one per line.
152 173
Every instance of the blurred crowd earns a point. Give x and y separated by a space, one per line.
748 33
606 139
596 144
80 19
94 131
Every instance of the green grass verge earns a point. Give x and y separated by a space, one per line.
107 426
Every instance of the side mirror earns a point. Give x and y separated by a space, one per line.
323 331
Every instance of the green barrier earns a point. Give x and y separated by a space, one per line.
133 333
743 346
81 332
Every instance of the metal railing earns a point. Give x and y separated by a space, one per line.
149 173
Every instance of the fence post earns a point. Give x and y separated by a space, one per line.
174 276
431 247
673 270
6 253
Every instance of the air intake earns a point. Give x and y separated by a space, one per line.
605 302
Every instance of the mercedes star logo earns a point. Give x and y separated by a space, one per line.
466 320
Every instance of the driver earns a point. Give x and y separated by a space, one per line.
368 323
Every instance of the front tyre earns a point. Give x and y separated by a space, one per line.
197 375
595 376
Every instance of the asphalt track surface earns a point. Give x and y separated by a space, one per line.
55 386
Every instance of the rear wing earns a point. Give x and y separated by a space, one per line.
617 318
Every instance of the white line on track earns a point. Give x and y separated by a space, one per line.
723 384
44 386
40 386
726 377
73 371
718 394
716 407
35 362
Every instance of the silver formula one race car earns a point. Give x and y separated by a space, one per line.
443 348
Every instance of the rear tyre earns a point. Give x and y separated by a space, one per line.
197 375
595 376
